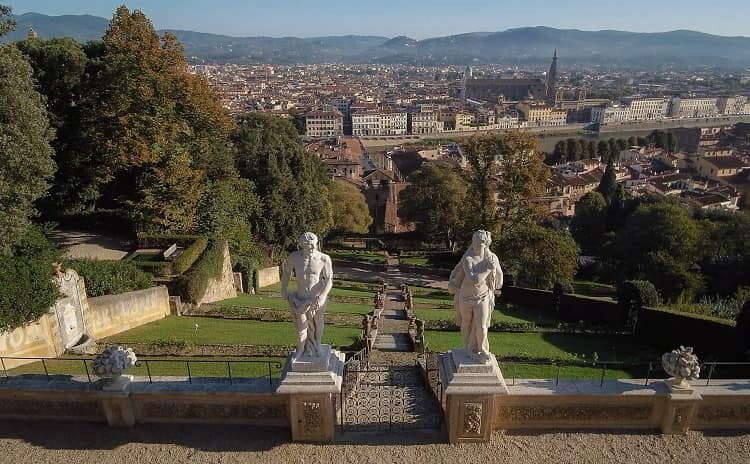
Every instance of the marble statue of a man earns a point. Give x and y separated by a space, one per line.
473 282
308 303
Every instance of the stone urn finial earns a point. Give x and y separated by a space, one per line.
112 364
682 365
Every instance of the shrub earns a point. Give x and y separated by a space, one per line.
637 292
111 277
191 286
164 240
26 287
188 257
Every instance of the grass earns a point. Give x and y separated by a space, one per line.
595 289
510 314
228 332
357 255
553 346
414 260
147 257
264 301
340 288
241 367
550 371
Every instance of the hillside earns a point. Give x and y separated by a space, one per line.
513 46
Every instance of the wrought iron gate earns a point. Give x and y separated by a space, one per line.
377 398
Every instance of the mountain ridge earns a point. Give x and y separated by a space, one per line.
527 44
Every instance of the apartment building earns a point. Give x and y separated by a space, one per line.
324 123
425 123
693 107
731 105
365 123
541 115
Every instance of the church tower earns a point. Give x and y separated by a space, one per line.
551 78
31 34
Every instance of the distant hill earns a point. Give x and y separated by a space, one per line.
81 27
513 46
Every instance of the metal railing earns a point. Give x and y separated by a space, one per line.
652 369
271 367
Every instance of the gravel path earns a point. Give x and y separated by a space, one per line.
44 442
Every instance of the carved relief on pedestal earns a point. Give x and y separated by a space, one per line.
722 413
311 418
581 413
472 418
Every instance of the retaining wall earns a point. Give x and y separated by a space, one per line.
222 287
267 276
111 314
39 339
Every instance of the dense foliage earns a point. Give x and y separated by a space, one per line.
110 277
350 212
292 184
435 200
26 165
26 287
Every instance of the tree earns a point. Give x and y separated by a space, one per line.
671 142
227 211
59 66
154 126
26 165
591 152
613 149
659 244
608 184
560 153
292 184
589 224
351 214
602 150
7 24
538 256
435 201
633 141
659 139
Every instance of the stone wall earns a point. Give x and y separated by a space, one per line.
623 404
266 276
40 339
166 401
222 287
111 314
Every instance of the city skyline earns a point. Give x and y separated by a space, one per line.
313 19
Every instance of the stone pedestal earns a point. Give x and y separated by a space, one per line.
469 393
682 404
311 384
115 401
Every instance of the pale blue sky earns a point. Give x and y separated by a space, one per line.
415 18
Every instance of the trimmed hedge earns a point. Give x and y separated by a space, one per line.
711 338
191 254
164 240
637 292
111 277
191 286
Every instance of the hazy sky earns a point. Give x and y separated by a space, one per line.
415 18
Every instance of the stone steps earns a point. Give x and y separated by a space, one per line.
393 342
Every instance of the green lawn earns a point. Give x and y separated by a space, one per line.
357 255
413 260
552 346
340 288
596 289
241 367
228 332
550 371
264 301
501 314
